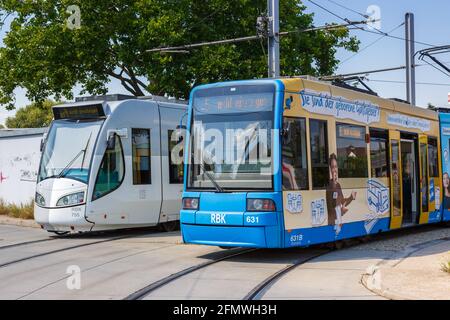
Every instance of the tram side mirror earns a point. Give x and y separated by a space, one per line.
44 138
111 142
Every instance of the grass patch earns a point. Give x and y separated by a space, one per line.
446 267
22 211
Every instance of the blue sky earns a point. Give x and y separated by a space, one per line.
432 25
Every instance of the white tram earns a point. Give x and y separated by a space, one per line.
111 162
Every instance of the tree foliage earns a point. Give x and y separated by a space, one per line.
35 115
45 56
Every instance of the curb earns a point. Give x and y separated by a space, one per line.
371 279
4 220
370 283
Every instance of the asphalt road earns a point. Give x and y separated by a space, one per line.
115 265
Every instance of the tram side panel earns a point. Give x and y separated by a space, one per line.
445 159
328 202
125 184
342 191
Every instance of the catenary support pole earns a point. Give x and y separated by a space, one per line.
274 38
410 59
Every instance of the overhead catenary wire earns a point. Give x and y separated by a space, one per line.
341 76
431 54
254 37
403 39
402 82
349 9
370 31
371 44
338 16
346 75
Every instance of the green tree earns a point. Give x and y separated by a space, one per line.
47 56
2 126
35 115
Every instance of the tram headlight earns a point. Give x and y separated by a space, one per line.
71 199
260 205
40 201
190 203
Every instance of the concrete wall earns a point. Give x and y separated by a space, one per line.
19 162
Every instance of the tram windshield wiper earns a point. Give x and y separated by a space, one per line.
82 152
211 178
64 171
85 151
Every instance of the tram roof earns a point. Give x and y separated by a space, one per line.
102 106
300 83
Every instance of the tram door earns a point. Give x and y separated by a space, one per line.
410 189
396 179
424 194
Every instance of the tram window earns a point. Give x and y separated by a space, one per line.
351 151
295 160
176 172
379 154
424 177
319 153
141 156
111 172
433 157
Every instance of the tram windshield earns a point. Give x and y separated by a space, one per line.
231 138
68 149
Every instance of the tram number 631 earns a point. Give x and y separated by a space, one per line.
252 219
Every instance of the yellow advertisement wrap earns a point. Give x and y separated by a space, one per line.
348 148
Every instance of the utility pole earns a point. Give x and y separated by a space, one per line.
410 59
274 38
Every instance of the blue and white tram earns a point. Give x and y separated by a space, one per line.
295 162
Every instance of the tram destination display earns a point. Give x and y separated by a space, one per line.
93 111
234 99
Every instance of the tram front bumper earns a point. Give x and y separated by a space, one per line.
241 230
69 219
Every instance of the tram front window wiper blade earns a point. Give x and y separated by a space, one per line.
211 178
83 151
64 171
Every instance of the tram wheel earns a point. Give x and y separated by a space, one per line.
170 226
60 233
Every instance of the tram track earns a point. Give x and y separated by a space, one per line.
140 294
262 287
46 253
254 294
14 245
259 290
